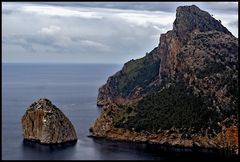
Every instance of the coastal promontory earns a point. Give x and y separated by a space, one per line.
182 93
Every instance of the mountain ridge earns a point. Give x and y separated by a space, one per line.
200 54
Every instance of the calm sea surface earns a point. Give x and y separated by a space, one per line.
73 88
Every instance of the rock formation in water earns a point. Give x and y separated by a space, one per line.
45 123
184 92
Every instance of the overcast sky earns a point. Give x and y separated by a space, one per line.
84 32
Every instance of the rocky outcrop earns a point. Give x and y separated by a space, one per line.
226 139
209 65
189 20
45 123
136 79
201 54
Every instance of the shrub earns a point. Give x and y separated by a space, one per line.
175 106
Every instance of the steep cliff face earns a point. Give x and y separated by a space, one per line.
160 63
189 98
188 19
137 78
45 123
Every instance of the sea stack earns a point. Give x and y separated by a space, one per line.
43 122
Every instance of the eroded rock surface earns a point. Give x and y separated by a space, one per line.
144 100
45 123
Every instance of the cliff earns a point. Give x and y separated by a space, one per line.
184 92
45 123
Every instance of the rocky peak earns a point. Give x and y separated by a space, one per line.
189 18
42 103
161 64
45 123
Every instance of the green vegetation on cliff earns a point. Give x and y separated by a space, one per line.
173 107
211 68
138 73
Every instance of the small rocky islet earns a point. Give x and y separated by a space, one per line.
44 123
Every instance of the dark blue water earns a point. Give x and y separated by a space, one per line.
72 88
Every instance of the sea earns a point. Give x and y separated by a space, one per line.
73 88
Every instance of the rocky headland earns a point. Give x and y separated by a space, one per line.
184 92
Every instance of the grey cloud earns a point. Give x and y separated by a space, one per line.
112 39
227 7
233 23
28 42
50 43
19 41
221 7
7 11
153 6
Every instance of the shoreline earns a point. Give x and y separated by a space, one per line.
32 141
175 150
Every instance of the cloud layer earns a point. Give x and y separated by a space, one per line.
84 32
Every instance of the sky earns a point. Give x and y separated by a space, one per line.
93 32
